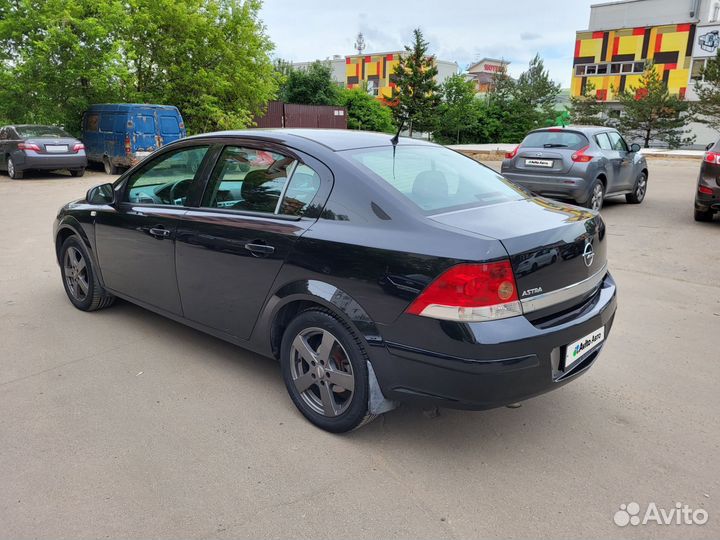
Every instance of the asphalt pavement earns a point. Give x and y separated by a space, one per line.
122 423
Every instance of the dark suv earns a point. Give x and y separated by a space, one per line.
585 164
707 195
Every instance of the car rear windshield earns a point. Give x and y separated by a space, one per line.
555 139
41 131
434 178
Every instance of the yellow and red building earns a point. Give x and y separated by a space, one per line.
614 60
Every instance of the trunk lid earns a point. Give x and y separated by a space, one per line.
544 161
547 241
54 145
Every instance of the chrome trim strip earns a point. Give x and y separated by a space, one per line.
559 296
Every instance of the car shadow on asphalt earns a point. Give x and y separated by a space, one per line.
408 423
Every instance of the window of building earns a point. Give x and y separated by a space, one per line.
602 69
580 70
590 69
696 73
626 68
714 11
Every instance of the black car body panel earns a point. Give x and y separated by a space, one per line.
707 194
365 253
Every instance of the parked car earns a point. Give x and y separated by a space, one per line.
375 272
24 147
707 195
585 164
121 135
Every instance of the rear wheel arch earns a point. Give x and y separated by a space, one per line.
603 178
293 298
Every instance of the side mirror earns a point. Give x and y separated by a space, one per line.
634 147
102 194
709 146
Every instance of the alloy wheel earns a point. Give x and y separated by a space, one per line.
76 274
641 188
11 168
597 197
322 372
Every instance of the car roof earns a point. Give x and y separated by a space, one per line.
128 106
334 139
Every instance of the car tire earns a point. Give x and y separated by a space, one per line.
318 349
639 190
12 170
597 196
77 173
79 278
109 167
704 215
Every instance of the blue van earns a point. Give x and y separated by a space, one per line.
120 135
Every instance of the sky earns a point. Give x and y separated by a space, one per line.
462 31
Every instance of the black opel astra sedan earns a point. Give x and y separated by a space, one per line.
376 270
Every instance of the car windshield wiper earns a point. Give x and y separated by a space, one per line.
553 145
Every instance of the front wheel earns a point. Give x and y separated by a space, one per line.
324 367
79 279
639 190
12 170
597 195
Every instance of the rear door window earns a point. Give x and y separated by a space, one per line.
145 123
248 179
603 141
618 143
169 125
555 139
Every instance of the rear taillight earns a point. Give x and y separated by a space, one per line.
712 157
580 156
78 147
470 293
705 190
510 155
29 146
128 148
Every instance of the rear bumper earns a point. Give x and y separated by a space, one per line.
569 187
32 160
513 361
705 202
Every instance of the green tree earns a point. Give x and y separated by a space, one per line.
708 91
650 112
207 57
312 85
455 113
416 96
585 109
364 111
535 94
59 56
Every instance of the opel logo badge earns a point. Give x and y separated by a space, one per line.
588 254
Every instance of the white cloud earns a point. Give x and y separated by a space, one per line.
458 30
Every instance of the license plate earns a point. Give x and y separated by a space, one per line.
56 148
575 351
539 162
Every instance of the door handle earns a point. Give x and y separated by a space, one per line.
259 250
159 232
